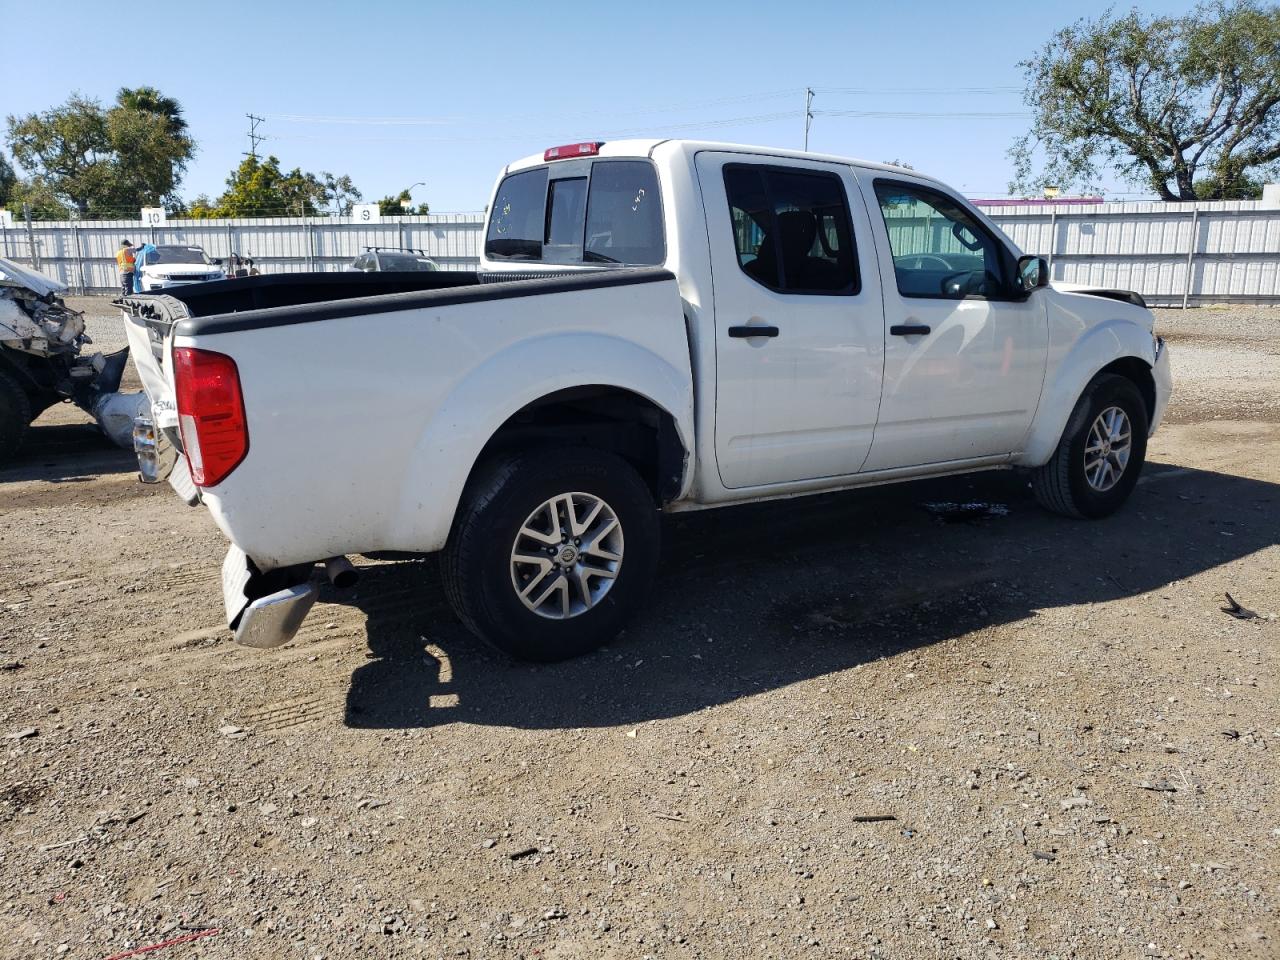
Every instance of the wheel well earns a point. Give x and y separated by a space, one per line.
604 418
1139 371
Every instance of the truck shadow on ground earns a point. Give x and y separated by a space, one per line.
755 598
66 453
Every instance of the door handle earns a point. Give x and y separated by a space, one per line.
745 331
910 329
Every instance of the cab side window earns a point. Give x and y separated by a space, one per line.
791 229
940 250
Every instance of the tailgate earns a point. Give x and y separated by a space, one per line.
149 321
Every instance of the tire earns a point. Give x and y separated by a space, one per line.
507 514
1064 485
15 416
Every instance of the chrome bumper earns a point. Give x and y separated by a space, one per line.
269 621
158 460
147 447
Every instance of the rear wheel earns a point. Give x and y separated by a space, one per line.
1101 453
15 416
552 552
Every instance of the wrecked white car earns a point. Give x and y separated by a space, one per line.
43 362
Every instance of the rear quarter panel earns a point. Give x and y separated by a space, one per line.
364 429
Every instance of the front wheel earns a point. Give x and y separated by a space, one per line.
552 552
1101 453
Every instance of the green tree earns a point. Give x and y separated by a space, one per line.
8 179
202 207
1188 106
150 100
339 193
259 188
66 150
149 136
401 206
96 160
40 197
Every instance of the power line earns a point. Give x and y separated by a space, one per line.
565 116
653 130
926 115
919 91
809 92
659 129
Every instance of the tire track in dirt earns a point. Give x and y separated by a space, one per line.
293 712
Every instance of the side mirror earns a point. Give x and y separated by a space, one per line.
1033 272
217 261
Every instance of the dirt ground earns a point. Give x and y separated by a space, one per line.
845 728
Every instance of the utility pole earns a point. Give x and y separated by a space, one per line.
808 115
255 137
31 237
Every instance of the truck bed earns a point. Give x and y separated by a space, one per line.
292 289
368 397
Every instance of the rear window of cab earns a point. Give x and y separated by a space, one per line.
613 214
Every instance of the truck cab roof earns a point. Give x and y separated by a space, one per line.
647 147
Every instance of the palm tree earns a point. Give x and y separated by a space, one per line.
151 100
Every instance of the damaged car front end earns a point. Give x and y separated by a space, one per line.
43 361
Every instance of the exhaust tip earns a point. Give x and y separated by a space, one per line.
341 573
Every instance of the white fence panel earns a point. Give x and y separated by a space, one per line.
1170 253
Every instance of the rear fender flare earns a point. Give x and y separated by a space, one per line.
446 452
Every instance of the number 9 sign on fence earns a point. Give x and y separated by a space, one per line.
365 213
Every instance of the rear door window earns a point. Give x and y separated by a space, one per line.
791 229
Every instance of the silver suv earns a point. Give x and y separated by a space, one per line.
398 259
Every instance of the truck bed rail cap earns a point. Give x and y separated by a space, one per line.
391 302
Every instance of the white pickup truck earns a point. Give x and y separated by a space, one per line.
656 326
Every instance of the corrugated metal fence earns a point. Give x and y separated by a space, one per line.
82 253
1178 254
1171 253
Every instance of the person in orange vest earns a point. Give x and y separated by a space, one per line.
125 261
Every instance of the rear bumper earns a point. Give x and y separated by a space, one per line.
158 459
262 621
1162 373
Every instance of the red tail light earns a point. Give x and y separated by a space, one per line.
588 148
215 433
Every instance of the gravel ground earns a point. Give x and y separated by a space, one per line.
101 321
845 728
1222 353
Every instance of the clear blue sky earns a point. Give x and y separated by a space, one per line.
484 83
